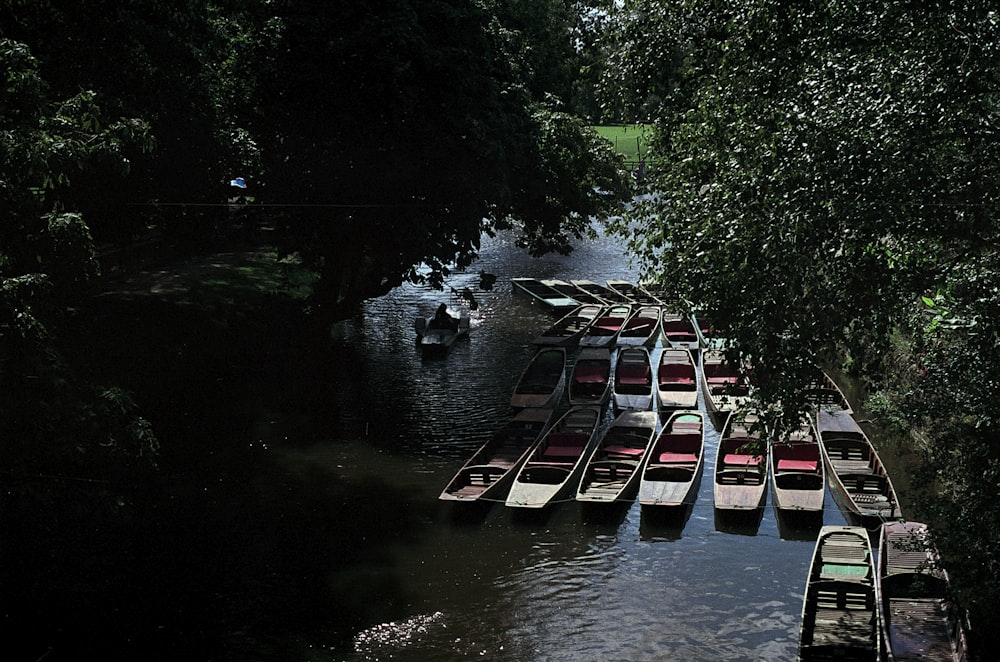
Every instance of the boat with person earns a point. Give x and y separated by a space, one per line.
641 328
604 330
676 381
488 473
672 471
918 618
798 474
437 334
858 480
553 467
545 295
611 473
632 386
543 381
741 464
567 330
590 378
839 609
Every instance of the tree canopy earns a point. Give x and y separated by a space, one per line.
829 197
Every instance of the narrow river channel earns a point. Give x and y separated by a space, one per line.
446 583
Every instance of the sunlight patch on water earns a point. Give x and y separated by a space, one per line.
384 638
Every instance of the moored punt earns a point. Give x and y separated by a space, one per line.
918 618
678 330
573 292
633 382
556 462
488 473
839 619
596 289
641 328
824 393
603 332
612 471
798 478
545 295
741 465
543 381
632 293
673 467
858 479
590 380
567 330
676 381
724 388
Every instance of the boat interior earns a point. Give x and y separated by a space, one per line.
842 597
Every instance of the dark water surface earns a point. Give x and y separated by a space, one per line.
491 583
297 515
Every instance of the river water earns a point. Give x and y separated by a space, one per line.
420 579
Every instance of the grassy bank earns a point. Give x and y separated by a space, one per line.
630 140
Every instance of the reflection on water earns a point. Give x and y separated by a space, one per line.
485 581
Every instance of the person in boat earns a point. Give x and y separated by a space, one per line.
442 320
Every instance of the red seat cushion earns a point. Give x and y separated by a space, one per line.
677 458
742 460
797 465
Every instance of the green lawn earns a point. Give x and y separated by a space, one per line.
628 139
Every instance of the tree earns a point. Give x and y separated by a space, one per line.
828 168
52 419
380 163
145 59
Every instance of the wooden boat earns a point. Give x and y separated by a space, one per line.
545 295
567 330
798 476
676 381
598 290
917 616
543 381
641 328
673 467
437 339
590 380
657 292
612 471
741 465
489 472
858 479
823 392
839 620
632 387
570 290
603 332
632 293
708 334
554 465
724 388
678 330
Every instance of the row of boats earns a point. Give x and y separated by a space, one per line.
897 607
653 451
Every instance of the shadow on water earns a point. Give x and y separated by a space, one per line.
801 525
468 514
604 514
664 522
739 522
532 516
